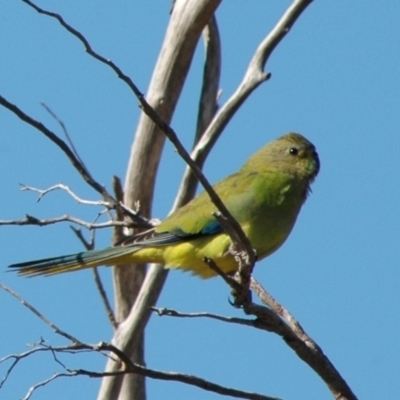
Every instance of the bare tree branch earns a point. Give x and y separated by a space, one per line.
270 302
149 110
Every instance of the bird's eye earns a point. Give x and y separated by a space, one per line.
293 151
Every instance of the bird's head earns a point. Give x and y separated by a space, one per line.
292 154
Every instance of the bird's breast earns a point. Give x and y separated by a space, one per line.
272 218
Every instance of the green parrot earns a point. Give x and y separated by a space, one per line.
265 196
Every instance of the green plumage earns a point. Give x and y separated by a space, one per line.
264 196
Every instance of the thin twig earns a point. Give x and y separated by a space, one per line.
31 308
66 134
45 382
214 267
17 358
104 297
31 220
89 245
66 188
173 313
118 233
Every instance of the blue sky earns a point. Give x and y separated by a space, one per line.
335 79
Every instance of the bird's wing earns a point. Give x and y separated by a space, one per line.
244 193
196 218
153 238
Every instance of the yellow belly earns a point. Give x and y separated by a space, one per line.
190 255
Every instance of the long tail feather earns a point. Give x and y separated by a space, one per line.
73 262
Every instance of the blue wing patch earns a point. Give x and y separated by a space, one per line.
212 228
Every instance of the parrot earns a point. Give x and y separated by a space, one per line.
265 197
